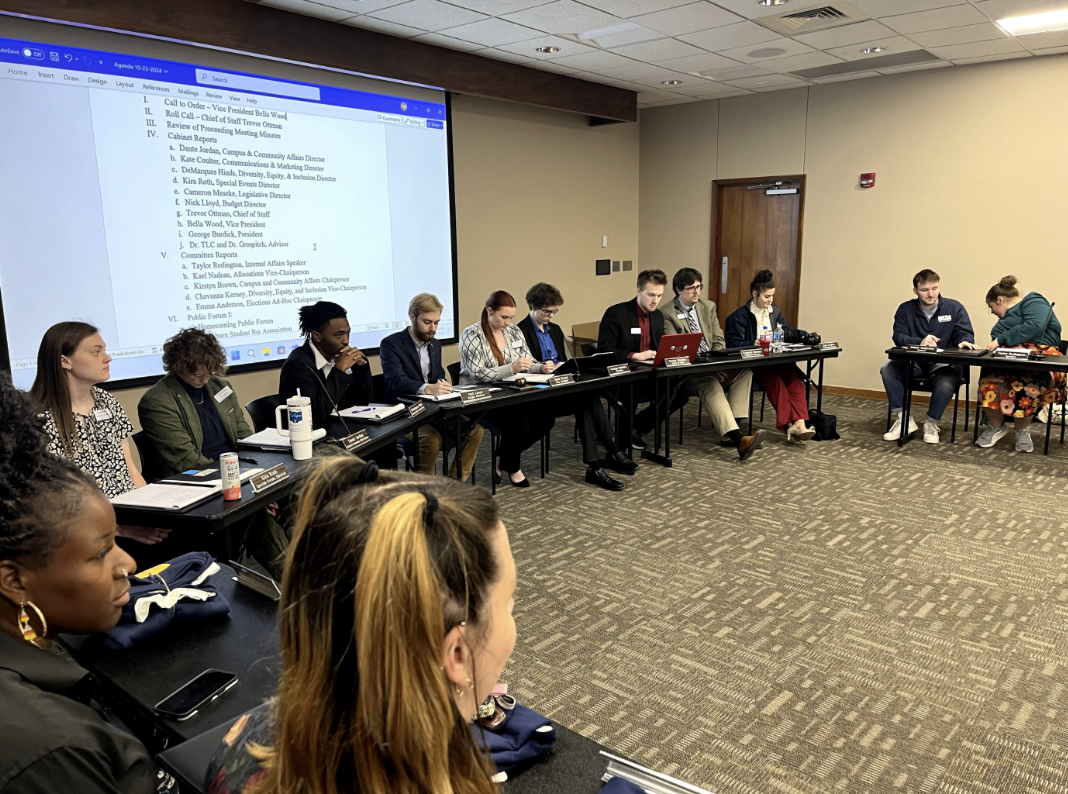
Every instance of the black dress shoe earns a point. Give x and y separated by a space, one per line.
621 463
496 477
636 440
524 483
600 477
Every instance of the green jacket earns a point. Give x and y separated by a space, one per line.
1023 322
171 425
706 316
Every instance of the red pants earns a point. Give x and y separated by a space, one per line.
786 391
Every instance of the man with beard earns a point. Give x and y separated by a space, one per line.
411 363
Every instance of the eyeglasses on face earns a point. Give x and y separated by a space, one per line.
549 312
693 288
202 375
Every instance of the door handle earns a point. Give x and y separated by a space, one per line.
723 276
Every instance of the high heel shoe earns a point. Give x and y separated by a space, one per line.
524 483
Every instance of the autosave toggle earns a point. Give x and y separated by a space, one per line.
33 54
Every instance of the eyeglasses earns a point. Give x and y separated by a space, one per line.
549 312
694 288
202 375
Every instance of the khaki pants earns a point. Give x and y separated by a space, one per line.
430 448
724 401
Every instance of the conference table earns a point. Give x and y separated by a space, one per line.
968 359
246 643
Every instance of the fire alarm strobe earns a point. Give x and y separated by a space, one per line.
867 180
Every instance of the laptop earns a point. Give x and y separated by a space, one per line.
577 366
675 346
727 352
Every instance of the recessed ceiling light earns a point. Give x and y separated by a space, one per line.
547 49
773 2
767 52
873 50
1035 23
671 82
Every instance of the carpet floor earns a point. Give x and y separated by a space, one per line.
846 616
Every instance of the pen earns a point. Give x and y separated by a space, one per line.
248 460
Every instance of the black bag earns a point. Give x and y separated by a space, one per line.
826 426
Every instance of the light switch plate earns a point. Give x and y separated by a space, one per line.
615 265
628 264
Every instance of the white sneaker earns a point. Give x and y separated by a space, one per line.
1023 441
930 433
894 433
992 435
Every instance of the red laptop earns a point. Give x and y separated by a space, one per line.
675 346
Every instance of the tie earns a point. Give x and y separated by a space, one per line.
695 326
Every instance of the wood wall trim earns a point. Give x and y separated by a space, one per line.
262 30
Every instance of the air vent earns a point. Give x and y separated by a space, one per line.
812 19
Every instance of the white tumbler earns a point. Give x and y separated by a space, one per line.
300 426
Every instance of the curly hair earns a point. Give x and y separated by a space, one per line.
189 349
541 295
38 491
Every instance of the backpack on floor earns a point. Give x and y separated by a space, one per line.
826 426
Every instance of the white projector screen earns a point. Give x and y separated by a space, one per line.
145 196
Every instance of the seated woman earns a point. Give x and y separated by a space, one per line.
546 340
191 417
782 383
60 572
85 424
490 351
395 624
1022 322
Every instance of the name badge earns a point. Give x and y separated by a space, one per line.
945 318
681 316
223 394
518 343
356 440
273 476
636 331
101 414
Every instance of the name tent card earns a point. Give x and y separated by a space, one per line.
416 408
356 440
474 396
677 361
557 380
618 369
756 353
921 349
273 476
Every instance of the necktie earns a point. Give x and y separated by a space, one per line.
691 317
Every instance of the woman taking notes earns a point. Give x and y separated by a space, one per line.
490 351
1022 322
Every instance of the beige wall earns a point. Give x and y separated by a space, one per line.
535 192
967 158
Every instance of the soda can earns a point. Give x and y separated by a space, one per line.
230 469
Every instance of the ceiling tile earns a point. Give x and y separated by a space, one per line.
635 71
448 41
788 47
359 6
894 45
658 81
916 67
750 9
381 26
846 34
589 61
698 63
1043 41
492 32
1000 9
687 19
766 81
494 8
807 61
1008 56
987 31
679 101
729 36
661 50
593 77
653 95
563 16
430 15
735 72
529 47
843 78
711 91
886 8
633 8
309 9
979 49
501 55
936 19
558 68
1052 51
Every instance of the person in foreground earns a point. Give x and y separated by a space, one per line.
60 572
1022 322
782 383
690 313
411 364
546 339
85 424
395 623
930 320
490 351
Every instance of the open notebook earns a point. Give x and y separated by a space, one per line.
160 496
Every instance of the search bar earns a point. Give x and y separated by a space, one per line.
240 82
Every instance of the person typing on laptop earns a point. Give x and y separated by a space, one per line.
725 395
930 320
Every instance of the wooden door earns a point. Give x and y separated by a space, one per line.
756 225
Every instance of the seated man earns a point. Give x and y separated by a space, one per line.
632 331
690 313
325 369
192 416
930 319
411 363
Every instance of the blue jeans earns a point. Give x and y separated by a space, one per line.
942 384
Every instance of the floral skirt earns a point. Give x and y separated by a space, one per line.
1019 393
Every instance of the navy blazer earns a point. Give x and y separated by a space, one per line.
400 364
556 333
617 324
340 389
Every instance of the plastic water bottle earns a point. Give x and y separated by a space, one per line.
777 340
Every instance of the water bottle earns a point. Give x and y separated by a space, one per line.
777 340
300 425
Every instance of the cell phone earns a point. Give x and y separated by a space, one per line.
184 702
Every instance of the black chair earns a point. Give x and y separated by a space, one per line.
261 410
924 385
378 394
589 348
151 465
188 761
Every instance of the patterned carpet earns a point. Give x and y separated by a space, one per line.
843 617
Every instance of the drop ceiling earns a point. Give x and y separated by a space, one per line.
712 49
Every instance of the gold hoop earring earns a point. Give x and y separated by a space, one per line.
28 633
